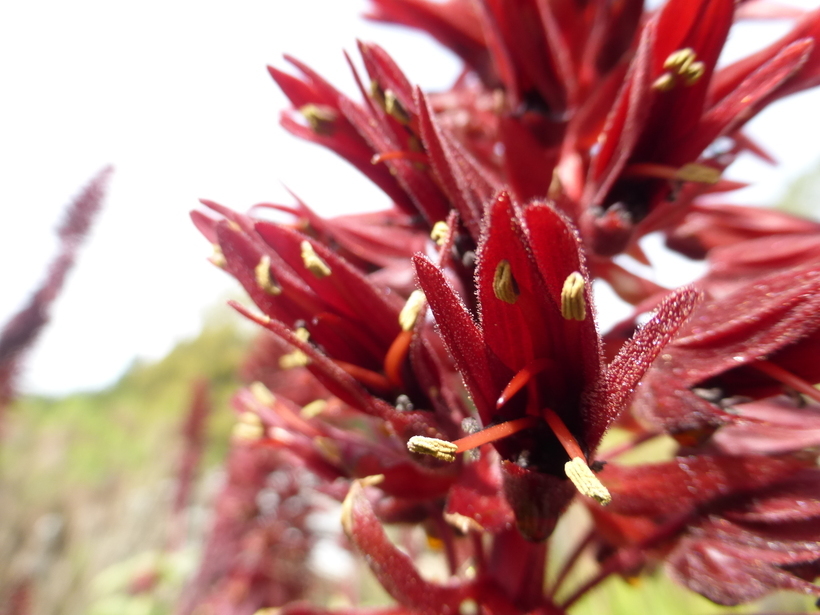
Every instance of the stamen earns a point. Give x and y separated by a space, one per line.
693 73
313 409
320 118
787 378
691 172
573 304
394 108
682 64
664 83
563 434
297 358
367 377
410 312
313 262
680 60
248 428
521 379
418 157
263 278
262 394
504 284
440 232
586 482
440 449
446 451
394 359
218 258
577 469
376 93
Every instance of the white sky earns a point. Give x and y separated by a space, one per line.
176 96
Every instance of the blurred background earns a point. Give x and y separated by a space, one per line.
176 96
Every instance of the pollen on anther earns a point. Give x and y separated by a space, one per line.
263 277
586 482
312 261
297 358
218 258
439 232
320 118
440 449
504 284
410 312
394 108
573 304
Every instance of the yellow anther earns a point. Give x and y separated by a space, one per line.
297 358
462 523
263 278
681 63
440 449
573 304
504 284
394 108
376 93
248 428
440 232
218 258
262 394
320 118
700 173
410 312
664 83
586 482
680 60
693 73
313 261
314 408
328 449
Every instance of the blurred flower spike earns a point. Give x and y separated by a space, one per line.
438 363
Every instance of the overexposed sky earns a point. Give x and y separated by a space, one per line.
176 96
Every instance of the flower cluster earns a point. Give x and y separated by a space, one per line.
438 363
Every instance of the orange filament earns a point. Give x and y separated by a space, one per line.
496 432
366 377
560 430
520 379
400 155
787 378
394 359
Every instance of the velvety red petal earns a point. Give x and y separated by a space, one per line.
394 569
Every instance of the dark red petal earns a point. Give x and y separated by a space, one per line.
730 113
333 377
675 487
517 332
464 182
727 576
346 289
462 336
394 569
638 353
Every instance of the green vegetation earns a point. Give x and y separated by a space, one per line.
87 481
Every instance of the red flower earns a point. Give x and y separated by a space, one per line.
536 331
